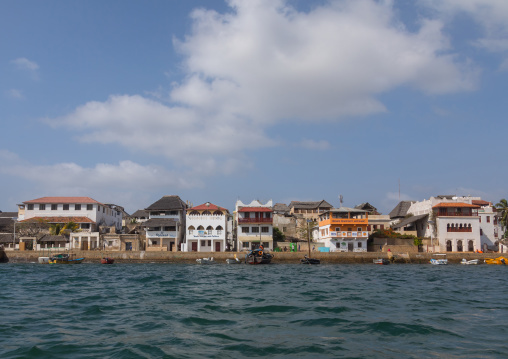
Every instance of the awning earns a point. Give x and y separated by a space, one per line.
409 220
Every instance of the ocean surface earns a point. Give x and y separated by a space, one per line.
169 310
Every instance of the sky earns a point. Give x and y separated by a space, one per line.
288 100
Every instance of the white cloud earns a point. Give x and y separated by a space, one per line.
315 145
25 64
264 62
16 94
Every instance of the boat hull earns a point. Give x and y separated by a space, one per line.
498 261
107 261
382 261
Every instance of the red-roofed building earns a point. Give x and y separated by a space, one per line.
206 228
254 225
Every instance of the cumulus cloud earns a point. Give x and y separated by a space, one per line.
264 62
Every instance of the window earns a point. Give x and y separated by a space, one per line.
481 232
42 207
209 243
191 229
103 209
488 219
359 229
359 244
245 244
255 229
246 215
219 230
85 225
267 215
265 230
154 242
207 213
349 229
65 207
245 229
89 207
203 243
77 207
30 207
98 208
209 228
54 207
284 229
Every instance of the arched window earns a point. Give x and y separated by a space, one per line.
448 246
209 229
207 213
448 229
218 213
194 213
201 228
191 229
219 230
459 246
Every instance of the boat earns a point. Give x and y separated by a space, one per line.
65 258
258 256
43 260
205 260
307 260
498 260
439 260
107 260
381 261
469 262
233 261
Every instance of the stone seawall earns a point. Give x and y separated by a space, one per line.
282 257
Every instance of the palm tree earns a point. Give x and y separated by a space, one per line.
55 229
502 208
68 228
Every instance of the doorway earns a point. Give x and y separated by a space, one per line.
194 246
217 246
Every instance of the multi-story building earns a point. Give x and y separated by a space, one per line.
206 228
344 230
309 210
254 225
165 228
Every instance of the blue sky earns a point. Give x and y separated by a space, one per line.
126 101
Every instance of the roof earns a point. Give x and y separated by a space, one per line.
409 220
400 209
347 210
140 213
208 206
255 209
280 207
160 222
7 238
59 219
9 215
480 202
52 238
56 200
167 203
455 205
368 207
309 205
6 224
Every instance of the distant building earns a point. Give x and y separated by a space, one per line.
165 228
309 210
206 228
254 225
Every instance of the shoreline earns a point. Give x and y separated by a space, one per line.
220 257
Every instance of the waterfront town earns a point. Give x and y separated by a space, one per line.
445 223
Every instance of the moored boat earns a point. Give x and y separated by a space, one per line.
43 260
107 260
498 260
65 258
469 262
439 259
233 261
258 256
205 260
307 260
381 261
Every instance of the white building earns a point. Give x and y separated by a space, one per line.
254 225
206 228
165 228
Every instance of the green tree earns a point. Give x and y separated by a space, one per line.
502 208
55 229
278 236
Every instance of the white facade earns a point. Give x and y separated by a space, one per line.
254 225
206 229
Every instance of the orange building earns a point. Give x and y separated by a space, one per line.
344 229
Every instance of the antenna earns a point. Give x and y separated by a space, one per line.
341 199
399 189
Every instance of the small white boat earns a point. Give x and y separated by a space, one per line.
233 261
205 260
440 259
44 260
470 262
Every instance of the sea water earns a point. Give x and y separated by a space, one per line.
169 310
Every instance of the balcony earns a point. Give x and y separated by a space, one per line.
161 234
255 220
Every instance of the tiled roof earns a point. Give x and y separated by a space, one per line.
60 219
455 205
280 207
208 206
56 200
255 209
140 213
167 203
8 215
480 202
160 222
51 238
7 238
310 205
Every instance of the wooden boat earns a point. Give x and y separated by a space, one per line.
440 259
498 261
307 260
470 262
65 258
107 260
258 256
205 260
381 261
